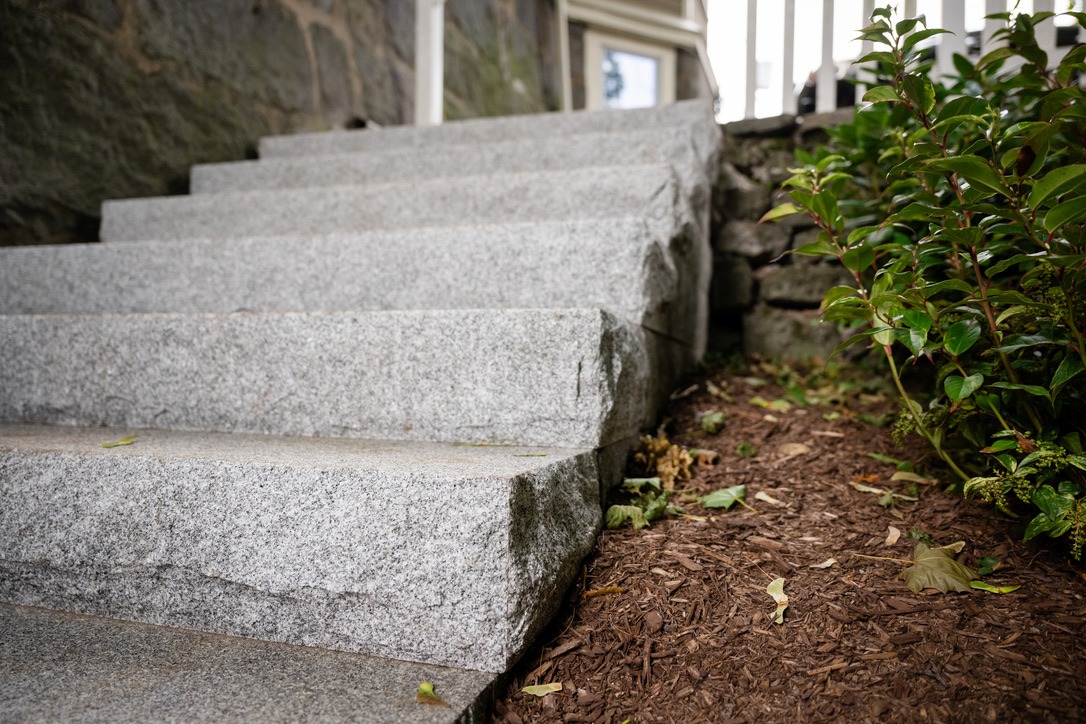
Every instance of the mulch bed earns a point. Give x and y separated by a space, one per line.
690 637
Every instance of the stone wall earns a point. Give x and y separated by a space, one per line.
765 301
118 98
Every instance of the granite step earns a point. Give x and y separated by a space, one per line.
430 552
616 264
578 378
484 130
651 192
676 146
62 667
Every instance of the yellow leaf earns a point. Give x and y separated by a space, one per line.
824 564
123 441
776 590
892 535
767 498
543 689
426 695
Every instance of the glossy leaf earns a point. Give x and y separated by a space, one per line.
1072 211
1057 181
724 498
961 336
959 388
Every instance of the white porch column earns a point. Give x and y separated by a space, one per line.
866 46
1046 29
788 90
991 7
429 62
752 58
826 91
954 21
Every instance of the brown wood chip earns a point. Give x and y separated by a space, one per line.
563 649
687 563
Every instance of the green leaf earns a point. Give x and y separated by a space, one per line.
858 258
725 497
958 388
1041 524
913 339
881 94
543 689
426 695
1057 181
779 212
918 36
974 169
936 568
1069 367
639 485
961 336
713 422
118 443
1054 505
1068 212
617 515
1035 390
982 586
920 91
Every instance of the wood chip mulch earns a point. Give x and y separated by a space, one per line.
687 634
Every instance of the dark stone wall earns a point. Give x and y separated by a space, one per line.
119 98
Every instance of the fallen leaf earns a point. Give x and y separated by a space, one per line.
602 592
717 392
912 478
776 590
793 448
705 458
767 498
543 689
893 535
724 498
426 695
681 394
936 568
123 441
824 564
982 586
617 515
746 450
780 405
713 422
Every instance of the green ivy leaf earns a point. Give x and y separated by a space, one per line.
617 515
1068 212
959 388
725 497
961 336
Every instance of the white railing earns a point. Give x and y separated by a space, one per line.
768 85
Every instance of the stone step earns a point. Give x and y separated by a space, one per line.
616 264
578 378
651 192
676 146
488 130
61 667
437 553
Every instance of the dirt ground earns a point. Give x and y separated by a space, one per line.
686 632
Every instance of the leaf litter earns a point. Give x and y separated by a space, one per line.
699 644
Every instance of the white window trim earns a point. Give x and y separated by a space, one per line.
594 43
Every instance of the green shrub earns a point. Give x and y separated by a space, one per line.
959 209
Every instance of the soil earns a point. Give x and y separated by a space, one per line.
673 623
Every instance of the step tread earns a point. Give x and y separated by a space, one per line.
576 377
68 667
650 190
331 543
673 145
488 129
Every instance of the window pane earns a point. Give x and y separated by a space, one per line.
630 80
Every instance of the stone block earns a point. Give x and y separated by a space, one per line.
435 553
757 242
742 199
671 146
789 334
651 192
64 667
614 264
486 130
555 377
783 125
733 283
801 285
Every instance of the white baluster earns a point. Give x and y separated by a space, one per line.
788 62
429 62
826 95
752 58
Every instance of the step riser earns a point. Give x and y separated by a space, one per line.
573 378
670 146
309 549
650 192
486 130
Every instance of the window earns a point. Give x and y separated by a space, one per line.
623 73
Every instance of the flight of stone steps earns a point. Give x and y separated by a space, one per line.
379 379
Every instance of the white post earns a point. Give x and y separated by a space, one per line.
429 62
910 8
954 21
826 83
1046 30
866 46
788 62
991 7
752 58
